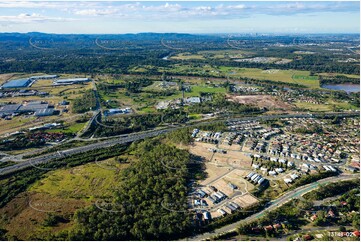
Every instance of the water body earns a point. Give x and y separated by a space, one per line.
343 87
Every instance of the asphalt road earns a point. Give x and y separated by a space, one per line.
49 157
139 136
275 204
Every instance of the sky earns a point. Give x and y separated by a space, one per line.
117 17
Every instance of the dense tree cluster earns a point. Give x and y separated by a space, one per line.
86 102
150 199
339 79
332 189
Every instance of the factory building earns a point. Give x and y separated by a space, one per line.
70 81
19 83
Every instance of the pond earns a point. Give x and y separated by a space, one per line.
343 87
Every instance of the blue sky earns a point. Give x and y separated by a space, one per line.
103 17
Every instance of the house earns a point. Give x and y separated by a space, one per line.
192 100
268 228
313 217
232 186
294 176
277 226
63 103
207 215
279 170
307 237
331 214
221 211
273 173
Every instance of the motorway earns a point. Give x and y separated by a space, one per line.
298 192
139 136
48 157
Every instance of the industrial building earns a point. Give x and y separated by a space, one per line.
70 81
19 83
38 108
44 112
45 77
9 109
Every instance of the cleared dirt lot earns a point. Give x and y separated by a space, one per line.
233 158
262 101
245 200
236 177
214 172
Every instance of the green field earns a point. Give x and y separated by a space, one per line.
82 182
187 56
328 106
287 76
196 90
72 129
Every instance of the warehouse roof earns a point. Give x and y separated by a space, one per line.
44 112
17 83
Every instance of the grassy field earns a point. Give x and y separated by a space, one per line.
339 74
187 56
87 182
60 193
328 106
287 76
196 90
314 107
72 129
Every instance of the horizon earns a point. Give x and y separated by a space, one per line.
185 33
198 17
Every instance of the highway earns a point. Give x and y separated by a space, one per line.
139 136
298 192
48 157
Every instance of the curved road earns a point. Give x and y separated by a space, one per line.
298 192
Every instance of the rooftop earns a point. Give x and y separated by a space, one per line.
17 83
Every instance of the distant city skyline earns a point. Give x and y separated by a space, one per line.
118 17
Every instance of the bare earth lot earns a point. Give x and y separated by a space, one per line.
262 101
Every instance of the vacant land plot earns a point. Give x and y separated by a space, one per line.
24 216
213 172
236 177
230 159
82 182
262 101
339 74
60 193
187 56
246 200
201 149
287 76
329 105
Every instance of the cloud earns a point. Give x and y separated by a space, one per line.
175 11
30 18
96 12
